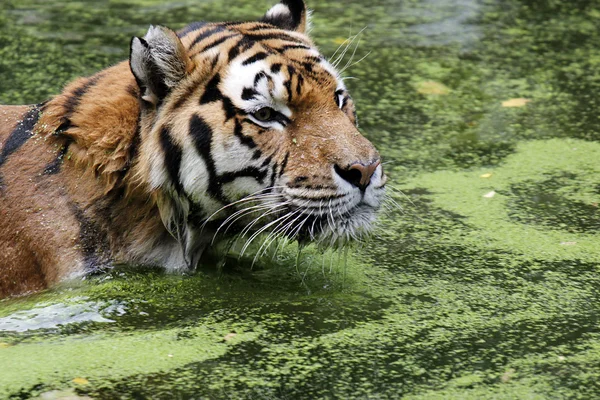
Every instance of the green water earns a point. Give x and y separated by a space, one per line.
485 285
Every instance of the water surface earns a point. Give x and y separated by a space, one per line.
484 285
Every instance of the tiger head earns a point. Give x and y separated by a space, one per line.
248 125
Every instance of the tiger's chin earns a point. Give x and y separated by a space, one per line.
354 225
351 220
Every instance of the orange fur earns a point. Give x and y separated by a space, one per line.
78 188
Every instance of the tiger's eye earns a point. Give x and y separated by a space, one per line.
265 114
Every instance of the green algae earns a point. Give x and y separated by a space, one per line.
485 283
488 217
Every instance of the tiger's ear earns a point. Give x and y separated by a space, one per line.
290 15
159 62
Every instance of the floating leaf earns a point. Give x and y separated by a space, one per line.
4 345
486 176
229 336
507 376
489 195
432 87
81 381
519 102
62 395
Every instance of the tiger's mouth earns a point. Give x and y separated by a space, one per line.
331 220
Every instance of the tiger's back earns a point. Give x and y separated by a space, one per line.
243 126
29 228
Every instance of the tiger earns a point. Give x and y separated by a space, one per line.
216 129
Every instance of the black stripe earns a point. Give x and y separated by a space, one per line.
207 33
75 99
230 110
299 85
276 35
196 26
214 62
54 167
267 161
275 68
257 57
251 172
172 158
273 175
63 127
212 92
344 102
217 42
288 87
287 47
284 163
314 59
93 242
249 94
245 140
308 66
244 44
22 132
288 83
233 52
201 134
257 154
260 26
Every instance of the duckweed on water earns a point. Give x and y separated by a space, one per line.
485 284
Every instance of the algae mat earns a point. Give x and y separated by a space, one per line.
483 285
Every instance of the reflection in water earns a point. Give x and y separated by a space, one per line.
59 315
446 22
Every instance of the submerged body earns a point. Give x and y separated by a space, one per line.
143 162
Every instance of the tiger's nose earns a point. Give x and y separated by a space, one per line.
358 174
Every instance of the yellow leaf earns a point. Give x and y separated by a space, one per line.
4 345
519 102
339 40
432 87
507 376
229 336
81 381
486 176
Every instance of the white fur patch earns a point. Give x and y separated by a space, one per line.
241 187
193 173
279 10
241 76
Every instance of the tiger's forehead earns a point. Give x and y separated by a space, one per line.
278 80
259 62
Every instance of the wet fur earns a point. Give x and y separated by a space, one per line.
95 176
